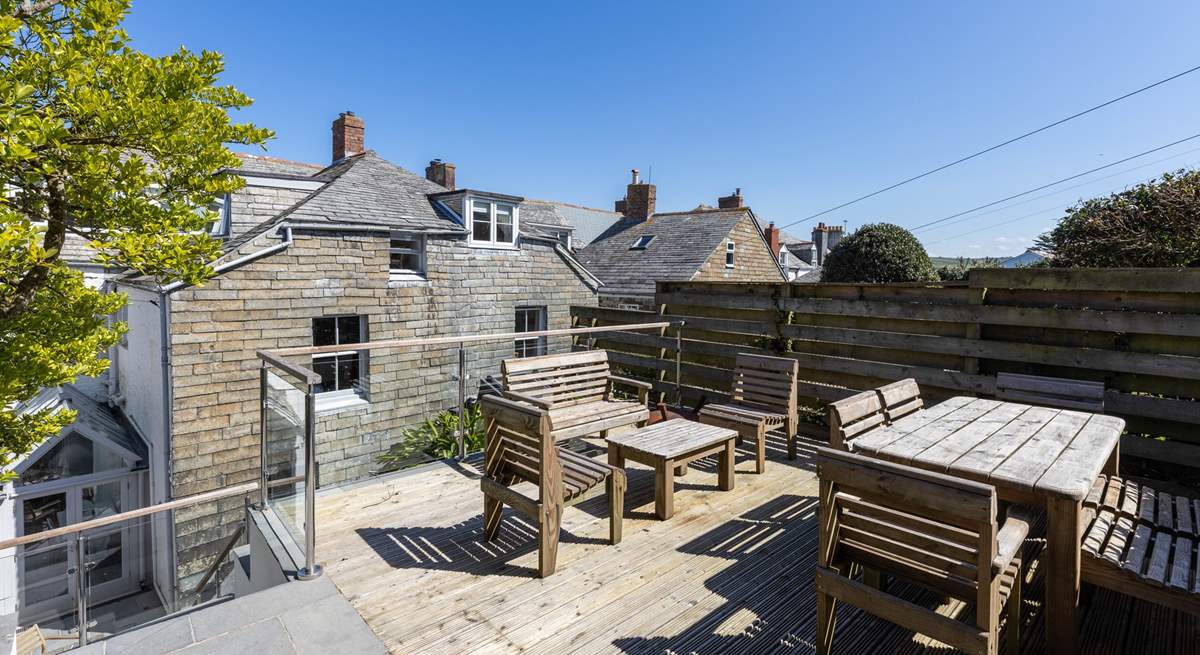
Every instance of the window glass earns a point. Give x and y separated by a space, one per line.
324 331
341 370
504 223
481 220
530 319
729 254
74 455
642 242
407 254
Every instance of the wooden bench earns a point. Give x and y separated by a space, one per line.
850 417
933 530
899 399
1142 543
519 447
1051 392
577 390
763 398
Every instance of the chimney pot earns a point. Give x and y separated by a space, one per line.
635 176
348 131
440 172
640 199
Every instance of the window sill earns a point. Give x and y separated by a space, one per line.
335 402
407 280
494 246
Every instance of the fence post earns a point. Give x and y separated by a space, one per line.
81 606
974 330
462 399
262 436
311 569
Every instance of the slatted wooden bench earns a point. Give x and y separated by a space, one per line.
763 398
852 416
899 399
936 531
1142 542
1051 392
519 447
577 390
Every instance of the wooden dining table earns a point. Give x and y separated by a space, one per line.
1035 456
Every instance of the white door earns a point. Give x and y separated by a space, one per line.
112 554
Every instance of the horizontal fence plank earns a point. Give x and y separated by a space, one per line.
1181 280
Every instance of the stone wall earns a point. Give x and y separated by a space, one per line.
251 205
270 303
753 261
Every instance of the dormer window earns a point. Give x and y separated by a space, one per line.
219 226
406 254
493 222
642 242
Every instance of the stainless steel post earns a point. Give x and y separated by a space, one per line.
311 569
262 437
462 400
81 609
678 355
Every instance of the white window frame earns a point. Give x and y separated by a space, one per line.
540 346
730 254
642 242
338 399
402 274
221 226
491 242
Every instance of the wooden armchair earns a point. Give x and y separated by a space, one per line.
763 399
899 399
933 530
851 417
576 389
519 447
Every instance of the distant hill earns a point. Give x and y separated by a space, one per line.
967 262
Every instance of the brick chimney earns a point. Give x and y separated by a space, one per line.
639 199
347 135
772 235
440 172
732 202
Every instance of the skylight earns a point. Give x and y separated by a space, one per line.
642 242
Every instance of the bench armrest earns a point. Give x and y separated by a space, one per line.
643 388
530 400
1011 536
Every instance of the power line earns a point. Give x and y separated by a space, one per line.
1065 189
1055 183
995 147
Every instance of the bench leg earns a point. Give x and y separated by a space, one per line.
492 509
760 454
725 478
872 578
549 524
616 484
1012 636
681 470
664 489
826 617
791 444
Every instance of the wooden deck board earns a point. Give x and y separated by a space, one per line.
731 572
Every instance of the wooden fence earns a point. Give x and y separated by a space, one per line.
1135 330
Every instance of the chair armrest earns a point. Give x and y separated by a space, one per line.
1011 536
643 388
522 398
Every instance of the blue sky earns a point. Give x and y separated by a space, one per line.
804 106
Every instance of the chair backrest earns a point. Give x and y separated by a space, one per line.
899 399
31 641
933 529
518 445
769 382
567 379
1052 392
850 417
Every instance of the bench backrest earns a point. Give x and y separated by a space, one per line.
567 379
518 446
851 417
1052 392
767 382
899 399
935 530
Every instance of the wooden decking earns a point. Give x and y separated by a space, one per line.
731 572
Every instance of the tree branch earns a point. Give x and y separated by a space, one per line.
56 236
30 7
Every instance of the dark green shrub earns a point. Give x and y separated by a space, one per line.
435 437
878 253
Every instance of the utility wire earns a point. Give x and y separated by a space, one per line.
1065 189
1055 183
995 147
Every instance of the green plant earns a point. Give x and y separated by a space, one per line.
110 146
1152 225
878 253
435 437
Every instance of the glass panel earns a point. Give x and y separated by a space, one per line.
504 223
285 452
348 329
45 577
74 455
118 580
405 261
326 367
482 221
347 371
324 331
405 243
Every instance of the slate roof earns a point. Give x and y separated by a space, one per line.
682 242
588 222
94 418
264 164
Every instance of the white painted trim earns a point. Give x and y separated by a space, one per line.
276 183
469 218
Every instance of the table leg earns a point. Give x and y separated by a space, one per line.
664 488
615 456
725 461
1062 579
1113 466
681 469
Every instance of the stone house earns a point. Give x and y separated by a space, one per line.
706 244
358 250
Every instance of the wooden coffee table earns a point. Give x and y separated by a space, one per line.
670 445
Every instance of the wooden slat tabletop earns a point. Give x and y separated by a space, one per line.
1047 451
672 438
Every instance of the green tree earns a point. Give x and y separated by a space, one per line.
878 253
1155 224
116 147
